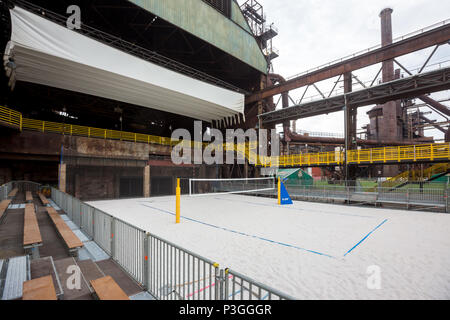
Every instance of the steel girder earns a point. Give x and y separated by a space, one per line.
414 43
410 87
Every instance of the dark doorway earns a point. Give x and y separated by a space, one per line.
131 187
162 186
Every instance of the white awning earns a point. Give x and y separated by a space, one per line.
52 55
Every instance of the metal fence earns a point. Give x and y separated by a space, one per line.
167 271
178 274
5 190
240 287
20 185
425 194
170 272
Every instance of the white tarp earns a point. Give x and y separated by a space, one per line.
52 55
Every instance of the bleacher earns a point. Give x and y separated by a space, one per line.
107 289
32 238
32 277
39 289
28 196
43 199
72 242
13 193
3 206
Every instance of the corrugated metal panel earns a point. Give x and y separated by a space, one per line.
200 19
95 251
72 225
15 277
142 296
81 235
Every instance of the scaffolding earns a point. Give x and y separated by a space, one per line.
253 11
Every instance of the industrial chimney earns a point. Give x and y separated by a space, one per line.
386 39
385 120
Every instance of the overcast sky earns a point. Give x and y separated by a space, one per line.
315 32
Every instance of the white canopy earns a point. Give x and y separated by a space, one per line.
52 55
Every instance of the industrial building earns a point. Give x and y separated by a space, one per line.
231 49
88 109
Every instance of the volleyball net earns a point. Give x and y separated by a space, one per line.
200 187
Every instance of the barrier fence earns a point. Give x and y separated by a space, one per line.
20 185
240 287
165 270
416 194
170 272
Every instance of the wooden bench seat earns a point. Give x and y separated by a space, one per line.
32 238
13 193
72 242
31 233
39 289
3 206
107 289
28 196
44 200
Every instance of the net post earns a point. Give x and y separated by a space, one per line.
178 196
279 191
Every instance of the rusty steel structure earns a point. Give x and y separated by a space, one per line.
413 86
389 121
436 36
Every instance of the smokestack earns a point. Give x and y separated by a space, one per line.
386 39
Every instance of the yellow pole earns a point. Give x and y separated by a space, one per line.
279 191
178 193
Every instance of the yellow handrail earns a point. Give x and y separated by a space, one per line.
11 117
397 154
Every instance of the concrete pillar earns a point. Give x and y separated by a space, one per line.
62 179
147 181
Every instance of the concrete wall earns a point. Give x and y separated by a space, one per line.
30 143
94 168
42 172
170 173
95 183
104 148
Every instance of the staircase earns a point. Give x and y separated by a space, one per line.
71 278
432 173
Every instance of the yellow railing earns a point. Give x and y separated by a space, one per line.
437 151
11 117
91 132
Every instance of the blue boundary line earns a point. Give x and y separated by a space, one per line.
242 233
385 220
